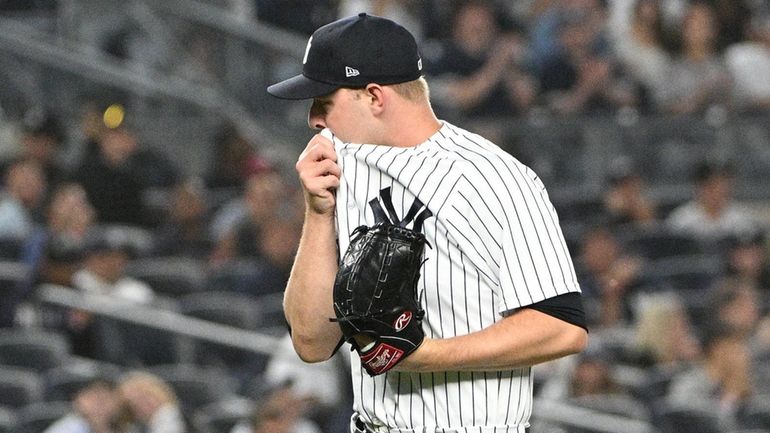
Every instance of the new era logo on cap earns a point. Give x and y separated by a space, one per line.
383 51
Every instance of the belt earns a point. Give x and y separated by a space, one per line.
361 427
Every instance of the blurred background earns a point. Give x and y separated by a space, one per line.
149 212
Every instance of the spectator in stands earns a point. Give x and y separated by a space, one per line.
736 304
41 141
608 277
96 408
21 200
238 232
234 159
748 63
712 214
55 250
641 48
747 259
733 17
405 12
280 410
592 376
276 246
546 17
740 304
321 386
664 337
625 199
116 177
152 403
698 78
303 16
186 231
480 70
584 76
103 272
723 375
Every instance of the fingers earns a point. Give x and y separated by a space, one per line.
319 174
317 149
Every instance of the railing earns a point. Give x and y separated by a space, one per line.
184 326
162 320
577 417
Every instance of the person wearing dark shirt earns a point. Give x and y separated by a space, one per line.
480 71
117 175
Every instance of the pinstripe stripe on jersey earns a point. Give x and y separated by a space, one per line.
493 230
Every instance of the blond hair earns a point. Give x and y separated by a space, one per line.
656 315
149 385
414 91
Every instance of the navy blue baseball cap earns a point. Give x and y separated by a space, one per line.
353 52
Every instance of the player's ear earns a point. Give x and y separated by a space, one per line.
377 96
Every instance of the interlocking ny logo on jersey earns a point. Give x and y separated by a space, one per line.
392 217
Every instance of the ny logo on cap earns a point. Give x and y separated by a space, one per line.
351 72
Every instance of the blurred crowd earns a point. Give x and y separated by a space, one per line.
677 295
505 58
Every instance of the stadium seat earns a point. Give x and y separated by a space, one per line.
273 319
196 386
63 382
231 274
227 308
751 430
130 344
19 387
658 242
10 248
682 272
695 417
13 276
584 208
756 414
170 276
36 417
7 420
761 381
222 416
615 404
233 309
39 350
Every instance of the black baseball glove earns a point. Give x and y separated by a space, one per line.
375 295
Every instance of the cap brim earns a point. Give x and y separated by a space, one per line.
300 87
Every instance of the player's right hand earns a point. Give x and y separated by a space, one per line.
319 174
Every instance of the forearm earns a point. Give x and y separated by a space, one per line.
526 338
308 297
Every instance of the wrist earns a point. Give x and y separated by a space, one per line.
421 360
320 216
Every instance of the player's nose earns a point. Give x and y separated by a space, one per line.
316 117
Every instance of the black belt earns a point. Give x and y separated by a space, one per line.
361 426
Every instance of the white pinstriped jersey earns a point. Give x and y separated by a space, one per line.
496 246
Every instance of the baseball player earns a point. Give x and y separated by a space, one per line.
497 284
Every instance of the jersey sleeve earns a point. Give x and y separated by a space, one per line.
535 263
506 224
